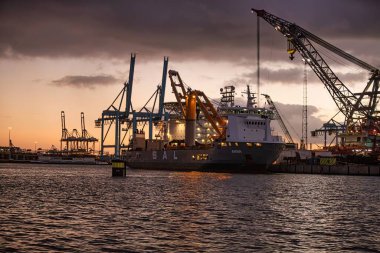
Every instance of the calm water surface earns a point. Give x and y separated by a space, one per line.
53 208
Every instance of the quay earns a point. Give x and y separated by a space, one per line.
338 169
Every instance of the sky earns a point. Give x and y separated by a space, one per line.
73 56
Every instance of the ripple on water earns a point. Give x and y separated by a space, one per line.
83 209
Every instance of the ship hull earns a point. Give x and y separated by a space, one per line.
239 158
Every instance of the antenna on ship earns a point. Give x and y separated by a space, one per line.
250 97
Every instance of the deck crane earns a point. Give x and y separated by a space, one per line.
279 119
359 109
202 101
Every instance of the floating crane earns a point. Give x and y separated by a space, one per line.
359 109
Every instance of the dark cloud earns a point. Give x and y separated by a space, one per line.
86 81
291 75
222 30
295 76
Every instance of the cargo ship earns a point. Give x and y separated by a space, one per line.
201 137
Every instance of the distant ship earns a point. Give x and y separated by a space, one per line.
53 156
65 159
244 141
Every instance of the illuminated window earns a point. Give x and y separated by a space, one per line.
202 157
223 144
249 144
258 144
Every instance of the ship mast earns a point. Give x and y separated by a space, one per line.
250 97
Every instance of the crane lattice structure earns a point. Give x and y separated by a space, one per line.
359 109
304 139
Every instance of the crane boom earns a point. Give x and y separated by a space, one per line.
350 104
278 117
180 92
318 40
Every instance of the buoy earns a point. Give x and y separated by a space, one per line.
118 168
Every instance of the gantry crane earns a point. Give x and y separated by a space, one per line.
118 115
87 141
76 143
65 133
359 109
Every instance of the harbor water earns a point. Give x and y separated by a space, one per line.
66 208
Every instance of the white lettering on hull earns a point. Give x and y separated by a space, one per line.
164 155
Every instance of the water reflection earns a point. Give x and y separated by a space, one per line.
53 208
